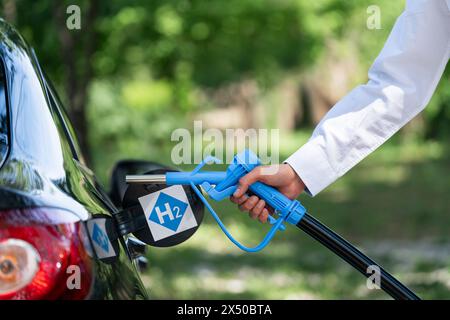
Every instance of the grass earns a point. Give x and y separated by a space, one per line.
393 205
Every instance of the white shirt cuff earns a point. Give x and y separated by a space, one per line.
312 166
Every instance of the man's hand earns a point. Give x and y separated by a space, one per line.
281 176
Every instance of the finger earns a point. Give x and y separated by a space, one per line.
249 204
234 199
264 215
246 181
256 211
239 200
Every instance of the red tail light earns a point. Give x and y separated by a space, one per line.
42 254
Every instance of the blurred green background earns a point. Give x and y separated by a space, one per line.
137 70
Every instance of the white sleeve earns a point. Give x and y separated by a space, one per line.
401 83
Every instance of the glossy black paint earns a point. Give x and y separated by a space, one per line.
4 140
43 166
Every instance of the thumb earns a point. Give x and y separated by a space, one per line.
246 181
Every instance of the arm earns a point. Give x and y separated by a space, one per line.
401 83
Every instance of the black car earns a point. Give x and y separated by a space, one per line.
48 248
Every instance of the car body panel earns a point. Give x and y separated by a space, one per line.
42 170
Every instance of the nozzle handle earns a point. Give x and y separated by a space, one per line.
291 210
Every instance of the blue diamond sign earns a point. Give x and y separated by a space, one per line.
100 241
168 212
100 238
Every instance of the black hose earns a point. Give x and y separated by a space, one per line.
354 257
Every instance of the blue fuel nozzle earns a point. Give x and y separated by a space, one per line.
220 185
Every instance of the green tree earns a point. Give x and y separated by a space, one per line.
186 46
